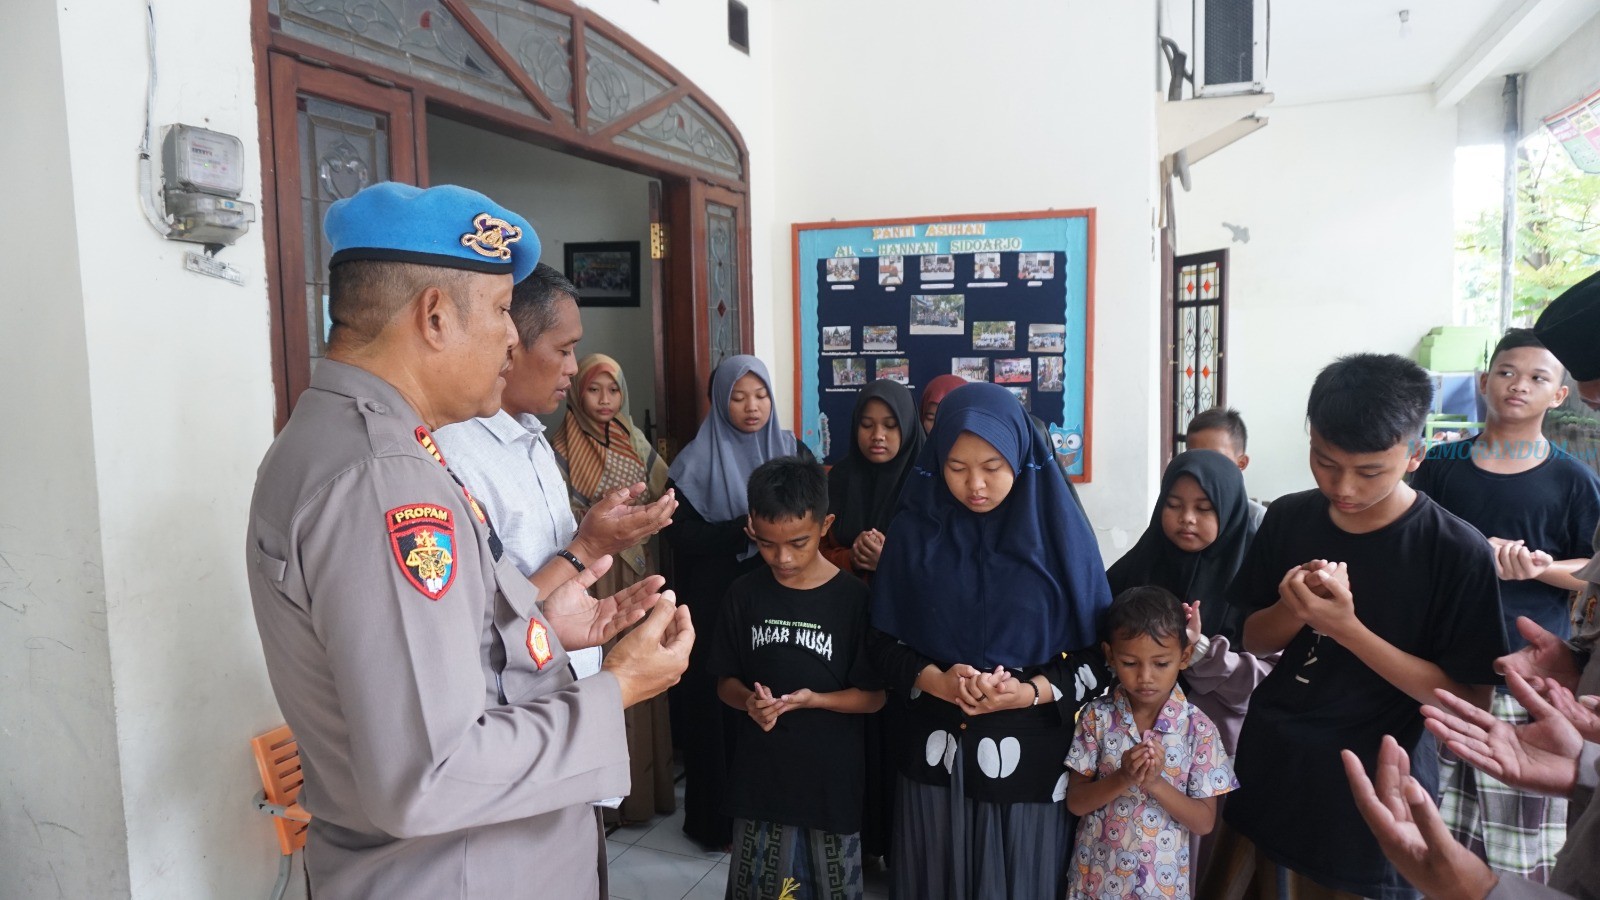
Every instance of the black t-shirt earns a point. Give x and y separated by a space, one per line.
809 770
1426 584
1553 507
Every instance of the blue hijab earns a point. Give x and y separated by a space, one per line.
1016 586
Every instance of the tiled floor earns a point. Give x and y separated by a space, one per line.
656 861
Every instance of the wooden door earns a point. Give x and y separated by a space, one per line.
332 134
706 307
722 232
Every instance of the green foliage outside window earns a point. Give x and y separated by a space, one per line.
1558 237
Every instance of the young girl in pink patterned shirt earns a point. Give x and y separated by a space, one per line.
1146 766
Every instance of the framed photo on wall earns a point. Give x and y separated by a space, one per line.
606 272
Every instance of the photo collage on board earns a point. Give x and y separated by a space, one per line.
998 317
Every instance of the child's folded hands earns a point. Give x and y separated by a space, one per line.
1333 576
1318 593
763 707
1139 763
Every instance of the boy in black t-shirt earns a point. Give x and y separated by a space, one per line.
1537 508
1376 596
790 653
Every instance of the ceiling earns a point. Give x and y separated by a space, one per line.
1342 50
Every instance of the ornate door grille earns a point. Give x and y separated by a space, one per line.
1198 364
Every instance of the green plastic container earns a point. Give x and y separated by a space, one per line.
1456 348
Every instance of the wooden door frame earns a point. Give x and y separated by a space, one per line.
289 78
680 387
684 188
1168 340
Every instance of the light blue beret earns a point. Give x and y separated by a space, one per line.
446 225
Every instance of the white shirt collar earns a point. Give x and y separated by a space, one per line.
509 429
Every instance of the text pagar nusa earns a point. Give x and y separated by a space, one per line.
802 634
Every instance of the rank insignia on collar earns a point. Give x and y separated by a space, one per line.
426 440
424 542
539 643
493 237
477 508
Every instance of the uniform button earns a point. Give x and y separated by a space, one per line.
379 408
963 726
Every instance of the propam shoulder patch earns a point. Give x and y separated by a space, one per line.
423 537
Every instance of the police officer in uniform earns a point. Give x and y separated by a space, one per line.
446 747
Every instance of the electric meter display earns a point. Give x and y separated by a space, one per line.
196 159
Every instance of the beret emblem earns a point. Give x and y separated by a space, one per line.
492 237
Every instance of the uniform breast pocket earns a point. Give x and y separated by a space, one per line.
268 565
532 661
268 559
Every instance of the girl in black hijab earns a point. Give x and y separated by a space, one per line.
864 487
1197 536
863 491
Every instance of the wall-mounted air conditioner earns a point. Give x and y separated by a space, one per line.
1230 46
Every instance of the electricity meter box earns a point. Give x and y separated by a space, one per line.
203 172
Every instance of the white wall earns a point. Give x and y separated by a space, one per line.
566 199
141 402
1563 78
1480 116
1030 106
61 825
1351 250
1568 74
181 406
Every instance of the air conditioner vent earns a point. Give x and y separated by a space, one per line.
1231 46
1230 41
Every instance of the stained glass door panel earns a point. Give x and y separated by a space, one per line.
724 336
342 150
1198 364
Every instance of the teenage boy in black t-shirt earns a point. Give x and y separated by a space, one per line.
1534 502
790 654
1376 596
1537 508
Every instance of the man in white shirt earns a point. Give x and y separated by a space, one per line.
508 463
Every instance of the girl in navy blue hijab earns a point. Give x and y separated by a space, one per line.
987 601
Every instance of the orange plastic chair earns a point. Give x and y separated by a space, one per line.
278 759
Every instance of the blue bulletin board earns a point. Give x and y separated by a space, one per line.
1006 298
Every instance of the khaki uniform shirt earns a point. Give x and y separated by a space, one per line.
447 750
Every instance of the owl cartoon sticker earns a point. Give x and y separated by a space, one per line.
1067 446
